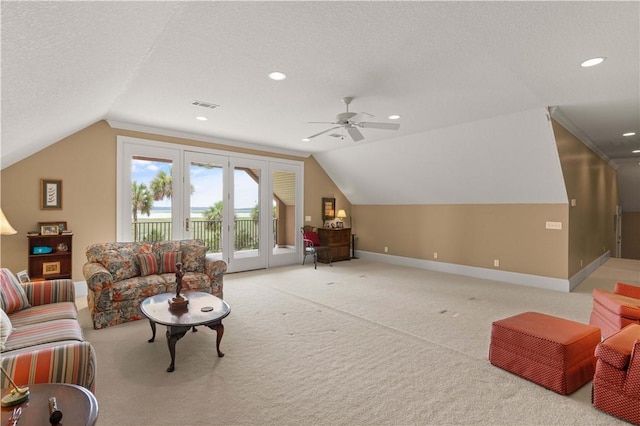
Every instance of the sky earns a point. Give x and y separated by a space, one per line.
207 183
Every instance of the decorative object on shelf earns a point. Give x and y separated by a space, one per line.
23 276
42 250
50 268
17 395
50 194
341 215
178 303
62 226
5 226
49 230
62 247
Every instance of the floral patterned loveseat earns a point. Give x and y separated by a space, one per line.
120 275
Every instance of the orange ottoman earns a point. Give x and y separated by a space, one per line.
553 352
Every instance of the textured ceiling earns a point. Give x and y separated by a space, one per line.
66 65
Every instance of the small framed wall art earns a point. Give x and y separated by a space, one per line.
50 194
50 268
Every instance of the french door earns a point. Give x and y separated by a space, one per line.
245 208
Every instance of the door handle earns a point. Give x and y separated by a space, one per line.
186 224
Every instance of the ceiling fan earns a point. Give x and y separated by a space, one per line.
350 121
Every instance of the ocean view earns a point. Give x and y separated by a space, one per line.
196 212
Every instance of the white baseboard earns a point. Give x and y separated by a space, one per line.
583 273
538 281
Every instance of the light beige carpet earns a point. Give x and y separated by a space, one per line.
358 343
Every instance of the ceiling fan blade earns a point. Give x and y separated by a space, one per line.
359 116
323 132
355 134
386 126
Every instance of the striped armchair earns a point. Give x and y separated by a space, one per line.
41 340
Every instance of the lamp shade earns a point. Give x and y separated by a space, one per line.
341 214
5 226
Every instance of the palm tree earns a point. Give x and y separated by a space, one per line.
214 212
142 200
162 185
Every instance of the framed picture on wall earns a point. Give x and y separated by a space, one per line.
50 194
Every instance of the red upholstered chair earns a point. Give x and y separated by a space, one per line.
616 383
614 311
311 245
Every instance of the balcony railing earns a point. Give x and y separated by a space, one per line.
246 236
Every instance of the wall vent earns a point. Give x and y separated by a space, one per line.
205 104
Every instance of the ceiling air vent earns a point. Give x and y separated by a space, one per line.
205 104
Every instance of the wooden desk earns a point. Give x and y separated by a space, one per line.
339 241
79 407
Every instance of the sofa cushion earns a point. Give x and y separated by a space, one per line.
44 313
5 328
12 295
50 331
168 260
193 255
122 263
137 289
148 263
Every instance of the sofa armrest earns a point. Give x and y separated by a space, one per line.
68 362
215 269
50 291
99 283
628 290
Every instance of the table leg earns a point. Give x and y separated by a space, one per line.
173 335
219 328
153 331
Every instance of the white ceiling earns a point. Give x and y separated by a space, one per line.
66 65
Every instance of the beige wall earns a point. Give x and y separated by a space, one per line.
473 235
631 235
592 183
86 163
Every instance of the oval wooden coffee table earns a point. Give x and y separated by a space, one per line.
198 312
79 407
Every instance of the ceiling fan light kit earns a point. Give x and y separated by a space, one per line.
350 121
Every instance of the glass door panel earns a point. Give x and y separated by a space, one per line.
205 206
248 215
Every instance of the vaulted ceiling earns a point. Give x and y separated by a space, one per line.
66 65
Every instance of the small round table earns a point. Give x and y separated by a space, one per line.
79 407
203 309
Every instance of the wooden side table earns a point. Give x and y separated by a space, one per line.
79 406
339 242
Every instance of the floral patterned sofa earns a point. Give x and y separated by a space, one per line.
120 275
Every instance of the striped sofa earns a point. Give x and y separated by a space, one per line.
41 340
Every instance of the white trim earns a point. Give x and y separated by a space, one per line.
537 281
588 270
193 136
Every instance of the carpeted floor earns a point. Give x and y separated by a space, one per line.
358 343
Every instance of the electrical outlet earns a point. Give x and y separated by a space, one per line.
386 249
554 225
496 263
307 218
435 254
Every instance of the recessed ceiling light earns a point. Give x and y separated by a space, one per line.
201 118
592 62
277 75
629 134
306 140
394 117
